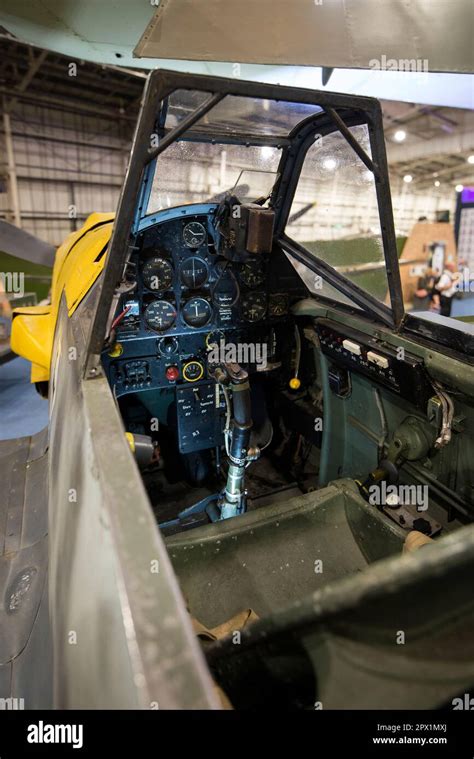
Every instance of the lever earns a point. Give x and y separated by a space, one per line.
232 500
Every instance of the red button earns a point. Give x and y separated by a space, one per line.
172 373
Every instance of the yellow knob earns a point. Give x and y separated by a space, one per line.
295 383
116 350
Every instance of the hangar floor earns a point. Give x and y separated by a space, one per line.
22 411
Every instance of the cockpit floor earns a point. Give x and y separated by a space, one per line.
268 558
263 481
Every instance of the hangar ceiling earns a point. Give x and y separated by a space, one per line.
438 143
439 139
44 77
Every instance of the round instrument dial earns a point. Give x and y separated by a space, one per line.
252 273
194 272
157 274
193 371
194 234
160 315
254 307
168 346
278 304
197 312
214 338
226 288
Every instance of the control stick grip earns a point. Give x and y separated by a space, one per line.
242 405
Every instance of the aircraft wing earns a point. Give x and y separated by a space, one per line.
16 242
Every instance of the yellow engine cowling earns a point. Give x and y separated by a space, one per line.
78 263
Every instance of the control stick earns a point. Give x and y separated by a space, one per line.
231 375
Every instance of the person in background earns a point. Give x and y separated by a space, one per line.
425 293
465 277
447 287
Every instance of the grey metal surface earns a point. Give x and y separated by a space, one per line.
5 680
22 578
31 677
38 444
122 636
23 567
341 33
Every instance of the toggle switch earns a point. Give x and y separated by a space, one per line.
377 359
351 347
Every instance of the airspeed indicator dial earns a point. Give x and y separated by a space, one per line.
157 274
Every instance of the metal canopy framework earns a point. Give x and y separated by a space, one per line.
335 109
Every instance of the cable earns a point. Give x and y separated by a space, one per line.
119 318
295 382
383 420
447 419
227 416
298 350
262 448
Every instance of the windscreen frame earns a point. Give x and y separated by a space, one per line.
159 86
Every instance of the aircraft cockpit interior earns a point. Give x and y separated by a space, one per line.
291 424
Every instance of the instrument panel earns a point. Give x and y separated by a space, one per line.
184 298
183 283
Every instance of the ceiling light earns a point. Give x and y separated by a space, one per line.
266 151
408 178
470 159
330 164
437 183
459 187
399 135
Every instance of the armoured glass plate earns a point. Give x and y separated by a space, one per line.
201 172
